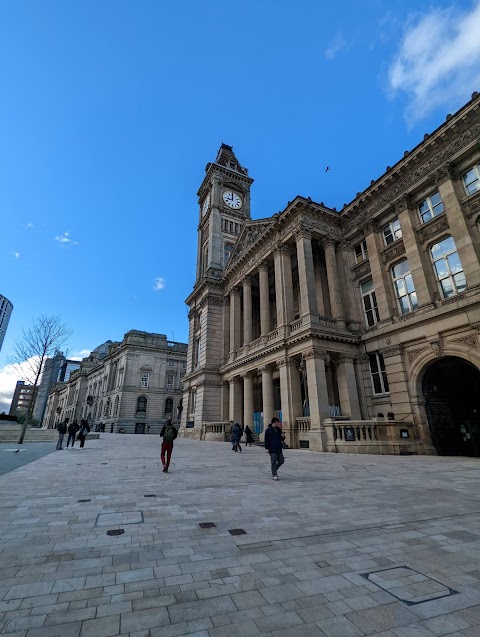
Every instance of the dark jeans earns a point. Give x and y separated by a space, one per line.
71 438
167 448
277 460
60 441
82 441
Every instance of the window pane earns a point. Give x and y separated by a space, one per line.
401 268
370 318
423 207
401 289
387 234
367 302
460 282
454 263
385 382
469 179
438 209
445 246
427 216
373 363
447 287
413 300
404 305
409 283
377 387
435 199
441 268
367 286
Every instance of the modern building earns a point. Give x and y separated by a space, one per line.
22 399
131 386
6 308
359 328
56 369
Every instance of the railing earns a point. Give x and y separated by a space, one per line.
303 425
359 433
215 427
296 325
335 411
272 335
327 322
255 343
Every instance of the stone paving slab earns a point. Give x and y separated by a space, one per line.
340 546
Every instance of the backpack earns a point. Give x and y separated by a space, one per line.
170 434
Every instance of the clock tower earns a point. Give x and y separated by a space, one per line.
224 207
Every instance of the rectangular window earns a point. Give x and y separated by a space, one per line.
361 253
144 380
169 381
204 257
448 269
404 288
392 232
430 207
227 251
378 374
471 180
369 300
171 363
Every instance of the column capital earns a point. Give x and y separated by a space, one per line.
226 299
303 233
281 248
248 374
264 368
247 281
192 314
344 246
316 353
344 357
443 174
370 226
401 204
235 292
263 266
283 362
327 242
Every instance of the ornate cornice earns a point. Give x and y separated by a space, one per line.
392 351
316 353
361 269
393 251
435 226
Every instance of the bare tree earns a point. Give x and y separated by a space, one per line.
46 335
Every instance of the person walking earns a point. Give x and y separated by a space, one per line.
231 435
72 432
248 436
62 430
236 435
274 446
168 433
84 431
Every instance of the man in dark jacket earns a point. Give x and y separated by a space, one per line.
62 430
274 446
72 432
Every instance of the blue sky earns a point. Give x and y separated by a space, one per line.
110 111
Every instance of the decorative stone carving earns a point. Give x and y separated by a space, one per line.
467 341
412 354
344 357
235 292
361 270
344 246
403 203
437 348
320 225
393 251
370 226
282 362
415 176
396 350
432 228
443 174
472 206
316 353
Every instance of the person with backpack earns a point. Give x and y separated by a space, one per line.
62 430
236 435
168 433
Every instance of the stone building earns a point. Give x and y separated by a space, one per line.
6 309
21 399
359 328
131 386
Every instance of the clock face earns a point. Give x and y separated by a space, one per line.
206 203
232 199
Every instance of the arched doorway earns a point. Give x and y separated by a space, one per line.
451 387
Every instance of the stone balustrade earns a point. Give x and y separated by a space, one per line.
216 431
376 436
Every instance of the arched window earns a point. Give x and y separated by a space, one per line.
108 408
168 406
115 409
100 409
142 406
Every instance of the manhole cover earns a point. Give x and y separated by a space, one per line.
237 532
150 495
207 525
104 463
408 585
88 500
116 532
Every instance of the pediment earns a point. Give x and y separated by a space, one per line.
251 233
233 185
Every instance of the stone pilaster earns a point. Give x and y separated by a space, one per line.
306 274
333 279
234 320
283 285
317 396
247 310
248 400
291 393
264 298
267 394
347 387
226 328
235 395
379 276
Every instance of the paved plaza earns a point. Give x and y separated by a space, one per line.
340 546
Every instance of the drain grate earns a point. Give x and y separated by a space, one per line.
237 532
150 495
408 585
86 500
207 525
104 463
116 532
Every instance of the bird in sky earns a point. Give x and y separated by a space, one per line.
327 169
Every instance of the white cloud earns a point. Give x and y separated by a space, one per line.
339 44
77 356
65 238
438 62
159 284
15 255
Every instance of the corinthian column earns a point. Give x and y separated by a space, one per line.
234 319
283 285
306 274
267 394
247 310
333 279
347 387
248 400
264 298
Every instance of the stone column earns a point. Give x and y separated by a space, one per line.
291 394
347 387
235 411
317 396
283 285
248 400
353 311
319 287
225 401
459 229
306 274
264 298
418 265
247 310
234 320
267 394
333 280
380 280
226 328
